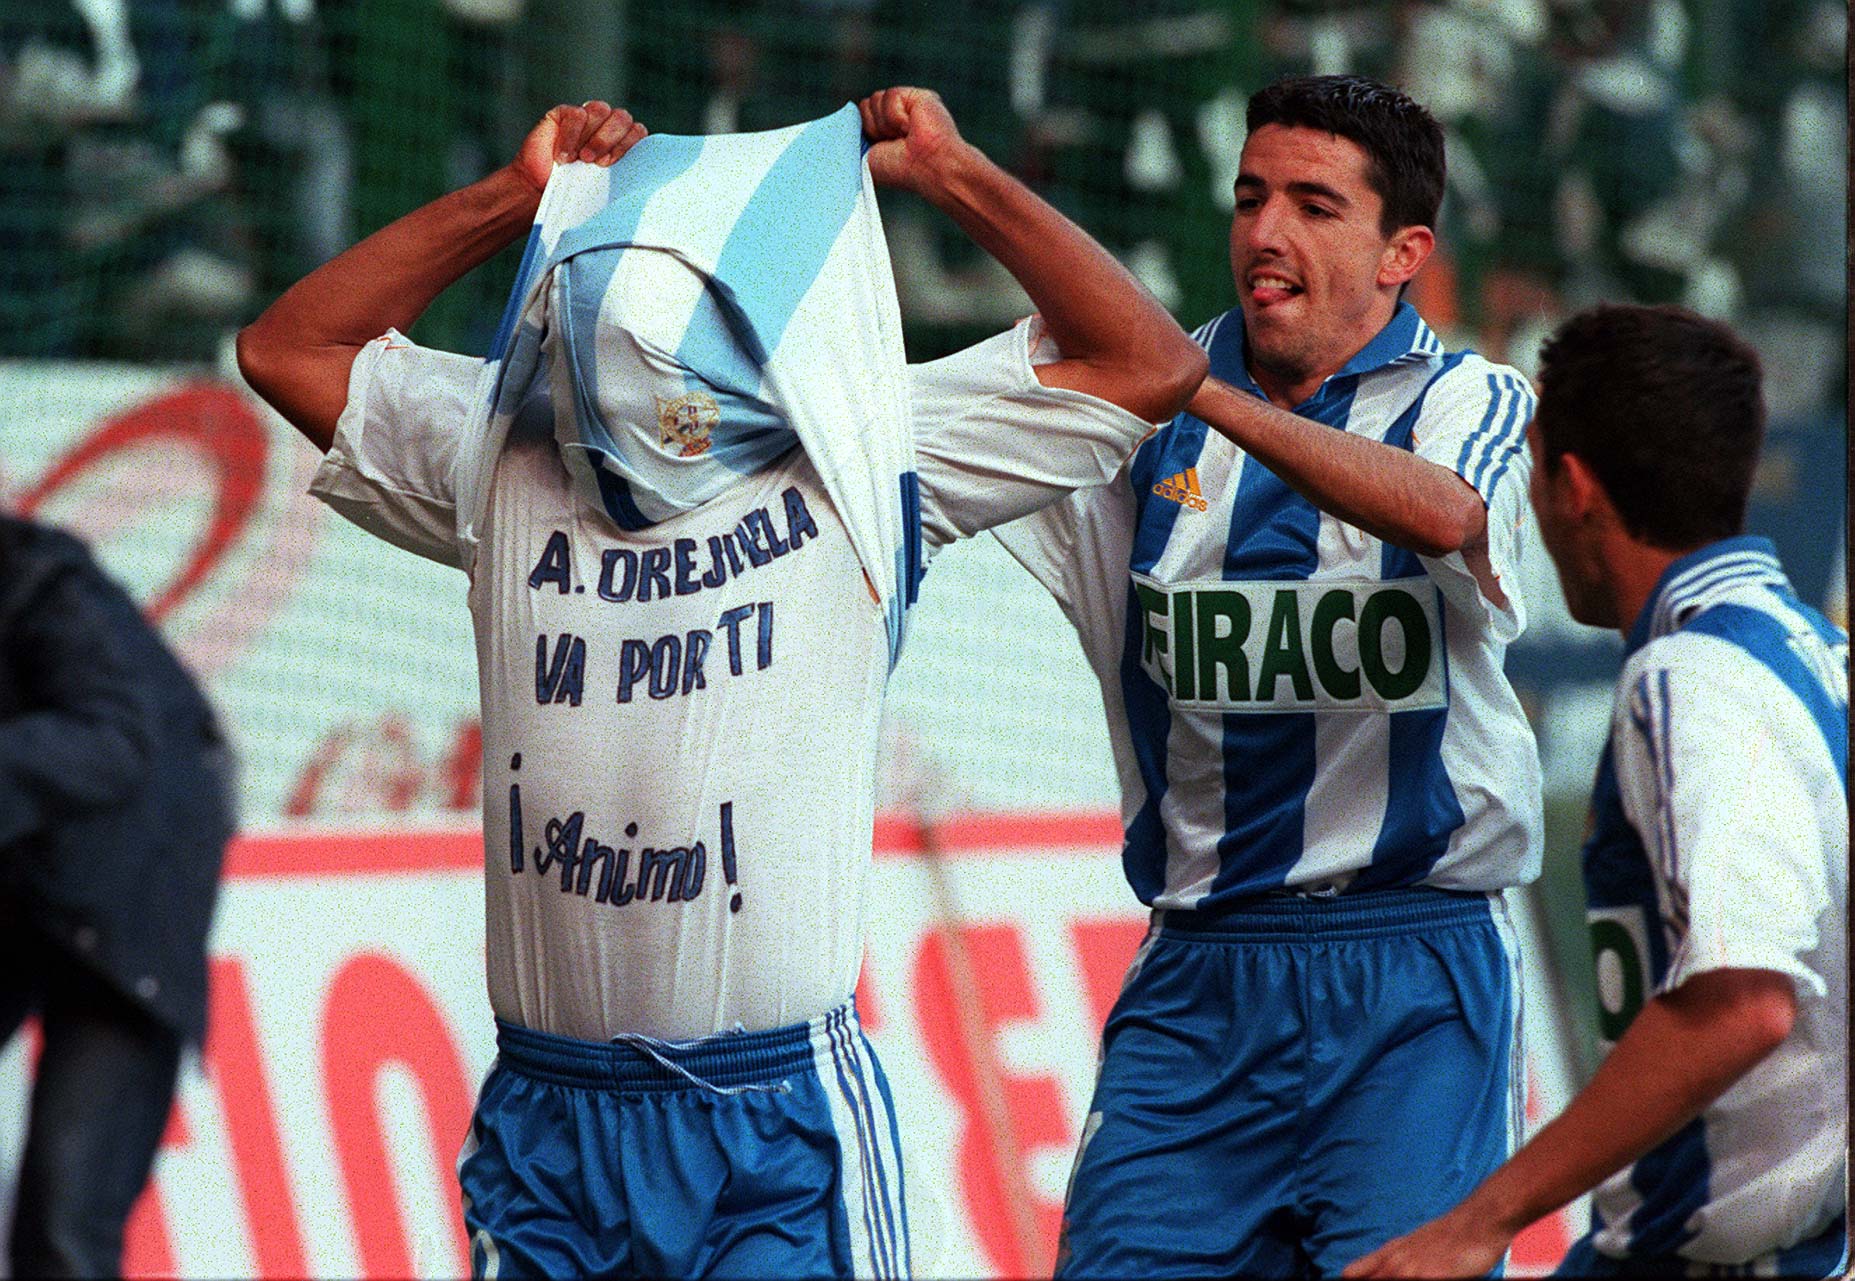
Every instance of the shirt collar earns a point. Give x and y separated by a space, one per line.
1700 578
1405 338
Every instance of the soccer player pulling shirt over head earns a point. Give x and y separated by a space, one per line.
694 499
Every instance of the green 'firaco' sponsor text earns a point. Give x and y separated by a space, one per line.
1273 646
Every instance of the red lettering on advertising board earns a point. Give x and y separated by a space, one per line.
210 418
377 1014
869 1014
460 778
147 1245
1538 1249
1105 947
1004 1116
235 1061
377 768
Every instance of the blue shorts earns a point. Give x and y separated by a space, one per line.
1289 1084
756 1154
1824 1255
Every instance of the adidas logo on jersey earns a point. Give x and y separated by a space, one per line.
1183 490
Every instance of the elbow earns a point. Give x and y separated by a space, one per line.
1168 380
257 358
1457 525
1768 1019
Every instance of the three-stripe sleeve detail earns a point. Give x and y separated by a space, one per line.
1491 447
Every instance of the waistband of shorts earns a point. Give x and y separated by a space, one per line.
638 1064
1365 914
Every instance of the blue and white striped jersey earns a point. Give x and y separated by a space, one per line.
1720 840
1293 702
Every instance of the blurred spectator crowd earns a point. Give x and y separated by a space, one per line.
168 166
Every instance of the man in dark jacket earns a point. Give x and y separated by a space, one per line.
115 809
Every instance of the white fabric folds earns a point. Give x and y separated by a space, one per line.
690 313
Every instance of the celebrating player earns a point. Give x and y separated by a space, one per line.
1716 1130
1296 600
679 791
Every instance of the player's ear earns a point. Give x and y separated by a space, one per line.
1405 254
1580 489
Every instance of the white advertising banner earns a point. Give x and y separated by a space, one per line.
349 1026
317 1135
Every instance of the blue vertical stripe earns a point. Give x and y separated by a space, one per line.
1515 447
1507 439
910 568
1496 423
512 310
1673 1180
1269 757
1149 715
895 1145
1662 750
1768 641
1616 867
1421 809
913 571
853 1042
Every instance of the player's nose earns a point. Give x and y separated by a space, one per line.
1264 227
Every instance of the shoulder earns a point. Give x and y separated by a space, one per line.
1466 381
1207 333
33 558
1689 656
1703 680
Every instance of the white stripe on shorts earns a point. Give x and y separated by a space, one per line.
867 1157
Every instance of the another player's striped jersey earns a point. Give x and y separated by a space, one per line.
1720 841
1293 702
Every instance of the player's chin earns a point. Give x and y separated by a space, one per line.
1275 345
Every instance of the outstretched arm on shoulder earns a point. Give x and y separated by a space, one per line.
298 353
1682 1051
1117 342
1390 493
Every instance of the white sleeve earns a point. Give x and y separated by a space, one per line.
1474 421
392 466
993 444
1726 804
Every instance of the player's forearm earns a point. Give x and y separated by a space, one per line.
297 354
1117 341
1682 1052
1390 493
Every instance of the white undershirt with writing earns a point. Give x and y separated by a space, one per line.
680 723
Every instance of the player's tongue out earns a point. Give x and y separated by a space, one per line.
1268 288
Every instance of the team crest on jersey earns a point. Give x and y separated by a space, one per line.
1183 490
687 423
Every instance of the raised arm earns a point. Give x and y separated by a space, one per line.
297 354
1117 342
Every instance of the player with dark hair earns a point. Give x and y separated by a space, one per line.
683 632
1296 597
1715 1132
1403 143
